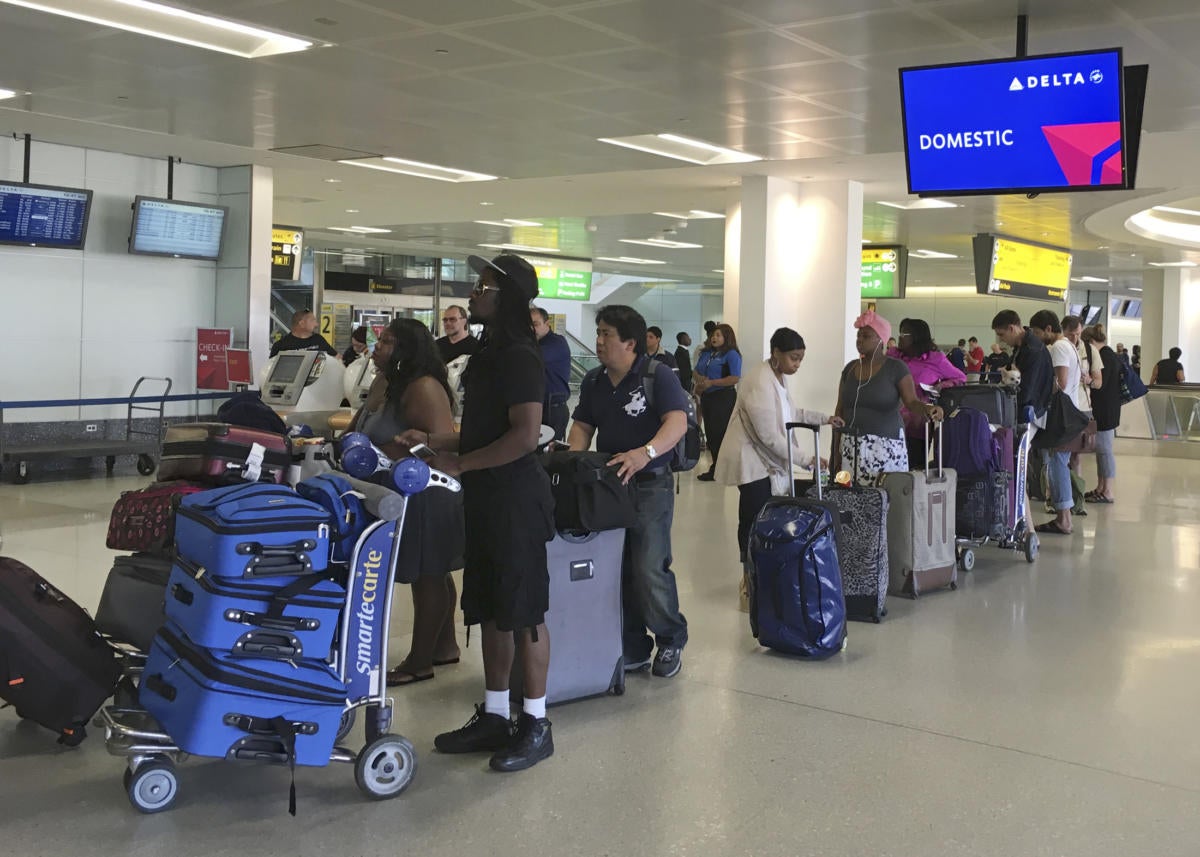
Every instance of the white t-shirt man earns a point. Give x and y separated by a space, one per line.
1063 353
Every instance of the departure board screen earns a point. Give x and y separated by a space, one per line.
1004 266
43 216
183 230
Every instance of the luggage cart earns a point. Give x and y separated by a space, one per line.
143 443
1020 536
386 764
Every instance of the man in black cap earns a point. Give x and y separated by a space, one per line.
509 515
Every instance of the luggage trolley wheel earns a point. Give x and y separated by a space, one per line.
966 559
346 725
153 787
1031 545
385 767
146 464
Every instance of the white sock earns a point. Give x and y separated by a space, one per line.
535 707
496 702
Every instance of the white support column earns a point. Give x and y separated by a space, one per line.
793 259
244 271
1152 321
1180 320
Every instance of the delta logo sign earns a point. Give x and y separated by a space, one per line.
1045 123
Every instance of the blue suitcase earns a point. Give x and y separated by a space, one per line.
797 604
248 619
225 707
265 532
348 515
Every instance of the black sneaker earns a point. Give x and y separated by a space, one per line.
668 662
532 742
483 732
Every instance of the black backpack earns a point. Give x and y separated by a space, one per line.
687 452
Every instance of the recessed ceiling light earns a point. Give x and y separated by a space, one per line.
172 24
931 254
662 242
1088 279
868 241
920 204
681 149
1173 264
718 270
487 203
630 260
508 221
7 93
420 169
1134 289
352 211
361 230
523 248
694 214
333 181
1169 210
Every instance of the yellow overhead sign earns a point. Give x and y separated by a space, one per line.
1018 262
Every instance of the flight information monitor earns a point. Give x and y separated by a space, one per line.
1026 125
181 230
44 216
1021 269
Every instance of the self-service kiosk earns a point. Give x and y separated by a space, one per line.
303 386
357 381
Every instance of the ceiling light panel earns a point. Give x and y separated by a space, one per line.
522 248
694 214
662 242
418 169
1170 210
682 149
930 254
7 93
920 204
361 230
1173 264
174 25
508 221
630 260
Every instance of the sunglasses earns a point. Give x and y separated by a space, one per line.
480 288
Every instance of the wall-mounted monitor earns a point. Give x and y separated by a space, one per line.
1090 314
44 216
1075 310
180 230
1134 310
884 271
1114 308
1020 269
1030 125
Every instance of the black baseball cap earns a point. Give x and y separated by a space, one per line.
512 268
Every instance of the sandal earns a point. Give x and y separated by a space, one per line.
1051 527
446 662
1099 498
403 678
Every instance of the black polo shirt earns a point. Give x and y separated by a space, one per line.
621 415
453 350
497 378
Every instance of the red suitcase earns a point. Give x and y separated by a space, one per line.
221 454
144 520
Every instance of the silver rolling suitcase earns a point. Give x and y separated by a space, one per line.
584 620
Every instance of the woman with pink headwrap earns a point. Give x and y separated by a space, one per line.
870 393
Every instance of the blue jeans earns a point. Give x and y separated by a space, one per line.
1058 472
1106 462
651 599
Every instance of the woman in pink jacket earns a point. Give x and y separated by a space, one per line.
929 368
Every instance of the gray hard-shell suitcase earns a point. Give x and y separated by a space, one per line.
921 531
865 538
131 606
584 620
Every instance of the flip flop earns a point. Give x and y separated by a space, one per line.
446 662
1099 499
1051 527
396 678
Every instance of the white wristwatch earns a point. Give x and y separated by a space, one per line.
651 451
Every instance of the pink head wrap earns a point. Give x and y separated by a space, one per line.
877 323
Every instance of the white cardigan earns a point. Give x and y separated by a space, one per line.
755 443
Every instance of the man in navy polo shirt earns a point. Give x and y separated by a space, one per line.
613 406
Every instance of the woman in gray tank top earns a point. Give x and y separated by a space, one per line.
411 392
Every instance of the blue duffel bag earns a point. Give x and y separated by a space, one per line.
249 619
797 602
253 530
214 704
345 506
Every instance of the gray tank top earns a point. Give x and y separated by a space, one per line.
383 425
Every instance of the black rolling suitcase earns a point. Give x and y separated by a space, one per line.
131 606
55 668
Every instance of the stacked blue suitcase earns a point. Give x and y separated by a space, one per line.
241 668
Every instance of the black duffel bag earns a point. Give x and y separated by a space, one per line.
1064 423
588 495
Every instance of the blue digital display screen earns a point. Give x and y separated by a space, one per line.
1023 125
43 216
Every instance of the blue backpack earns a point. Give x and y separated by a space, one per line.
345 506
968 445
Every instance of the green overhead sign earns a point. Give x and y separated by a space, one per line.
883 272
563 284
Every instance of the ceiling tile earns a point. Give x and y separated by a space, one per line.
777 110
546 37
637 66
781 12
622 99
741 51
441 13
422 50
824 129
665 23
880 31
458 91
300 17
535 78
810 78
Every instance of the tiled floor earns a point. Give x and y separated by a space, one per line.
1039 710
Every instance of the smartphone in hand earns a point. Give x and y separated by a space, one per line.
422 452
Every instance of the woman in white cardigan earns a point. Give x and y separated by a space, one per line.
754 456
